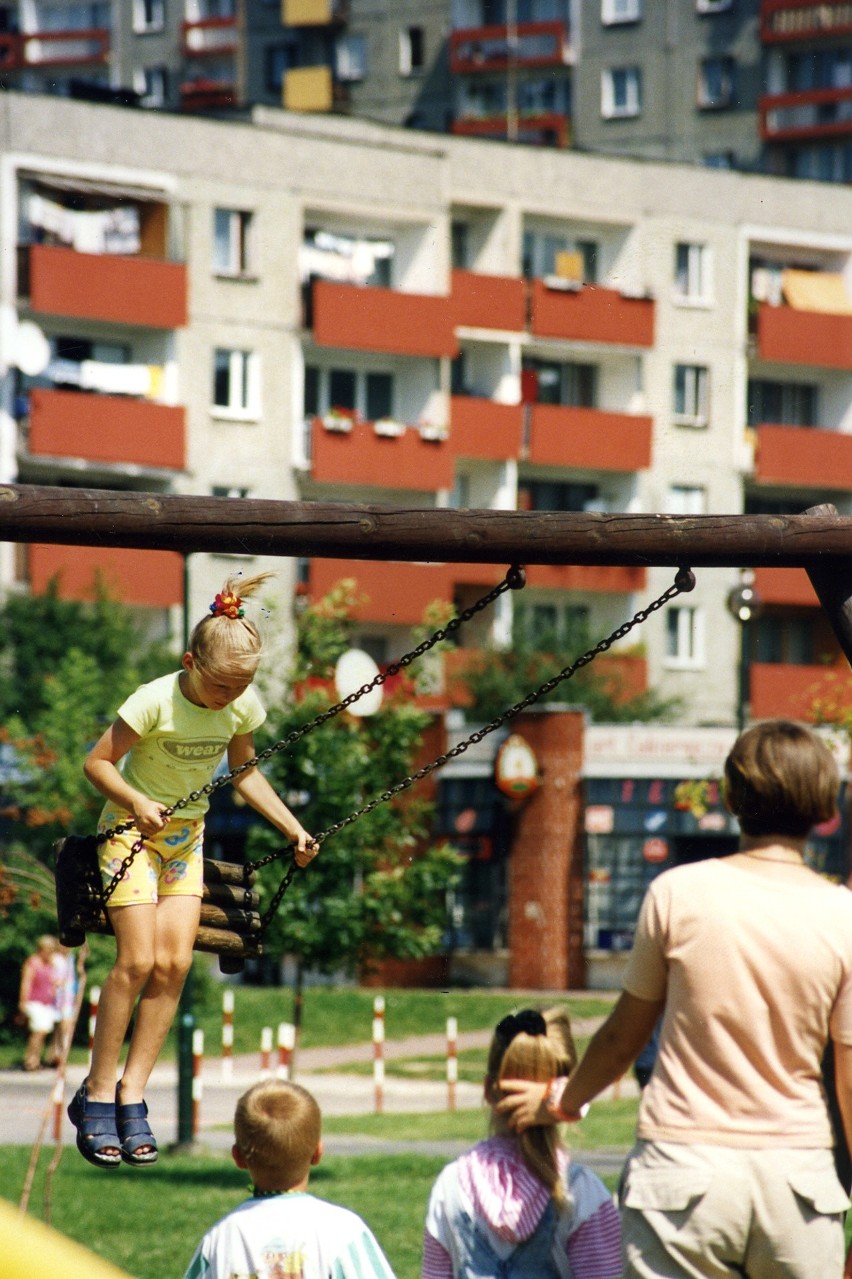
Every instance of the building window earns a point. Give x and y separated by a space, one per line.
553 626
715 83
690 395
342 389
151 83
545 253
228 490
685 638
686 499
614 11
788 640
781 403
719 160
692 273
236 382
350 58
378 396
713 6
232 242
553 495
621 92
149 15
412 51
571 385
279 59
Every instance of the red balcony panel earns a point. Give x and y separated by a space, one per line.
209 37
150 578
590 438
396 593
207 95
11 52
360 456
367 319
551 128
782 20
106 428
803 456
481 428
792 692
784 586
537 44
817 113
615 579
73 47
592 314
147 292
786 335
489 301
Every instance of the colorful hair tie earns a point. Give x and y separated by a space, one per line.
226 604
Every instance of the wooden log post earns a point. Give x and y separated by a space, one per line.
832 583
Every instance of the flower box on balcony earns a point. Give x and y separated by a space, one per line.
389 427
336 420
434 432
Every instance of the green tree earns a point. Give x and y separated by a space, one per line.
378 887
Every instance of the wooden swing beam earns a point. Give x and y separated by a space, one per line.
348 530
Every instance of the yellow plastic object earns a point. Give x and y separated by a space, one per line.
32 1250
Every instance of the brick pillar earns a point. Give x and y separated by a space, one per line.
546 860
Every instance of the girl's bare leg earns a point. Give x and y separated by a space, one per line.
135 928
176 926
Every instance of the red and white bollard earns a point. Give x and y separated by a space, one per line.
286 1044
197 1082
94 1000
266 1052
452 1061
227 1035
378 1053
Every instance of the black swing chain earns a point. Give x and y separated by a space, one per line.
683 583
514 580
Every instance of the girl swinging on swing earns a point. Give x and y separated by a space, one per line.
170 735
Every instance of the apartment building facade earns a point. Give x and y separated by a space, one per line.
372 314
755 85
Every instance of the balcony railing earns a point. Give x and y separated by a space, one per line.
784 20
153 579
480 428
540 128
784 691
375 319
789 587
803 457
817 113
314 13
366 457
591 438
106 428
209 36
489 301
63 48
614 578
536 44
147 292
789 335
591 314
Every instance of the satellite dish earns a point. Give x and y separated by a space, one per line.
354 669
30 349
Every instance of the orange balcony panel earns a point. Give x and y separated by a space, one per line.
396 593
551 128
784 586
367 319
360 456
786 335
106 428
147 292
207 95
818 113
481 428
536 44
791 692
615 579
592 314
803 456
153 579
590 438
489 301
803 20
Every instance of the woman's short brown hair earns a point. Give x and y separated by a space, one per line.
780 779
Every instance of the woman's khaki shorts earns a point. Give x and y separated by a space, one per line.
170 864
689 1212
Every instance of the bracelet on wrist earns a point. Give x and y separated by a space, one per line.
553 1102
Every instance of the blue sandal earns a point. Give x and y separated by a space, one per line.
96 1129
135 1132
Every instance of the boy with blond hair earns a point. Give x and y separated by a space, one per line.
282 1230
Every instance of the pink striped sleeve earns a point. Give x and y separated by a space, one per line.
594 1249
437 1263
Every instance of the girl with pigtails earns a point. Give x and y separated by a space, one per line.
168 738
516 1205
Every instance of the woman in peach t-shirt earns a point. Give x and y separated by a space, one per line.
749 960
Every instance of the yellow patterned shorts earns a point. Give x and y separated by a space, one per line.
170 864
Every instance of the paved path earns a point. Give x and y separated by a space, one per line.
26 1099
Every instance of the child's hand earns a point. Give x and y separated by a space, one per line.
149 816
523 1105
306 849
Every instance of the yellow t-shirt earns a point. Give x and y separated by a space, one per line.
180 743
756 973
